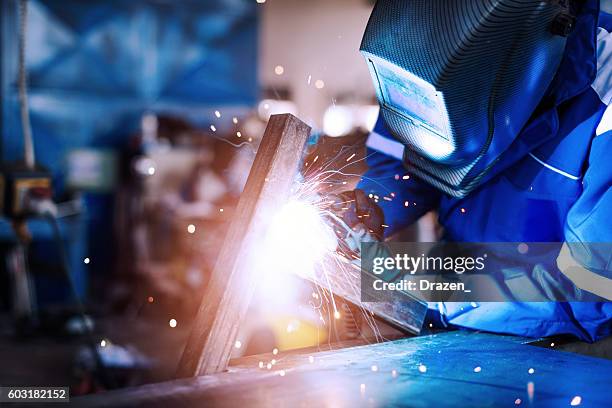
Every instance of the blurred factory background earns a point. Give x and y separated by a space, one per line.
146 115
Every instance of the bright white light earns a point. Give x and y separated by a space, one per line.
238 344
297 239
86 261
172 323
279 69
191 228
337 121
319 84
576 401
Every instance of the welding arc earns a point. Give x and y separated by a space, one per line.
105 377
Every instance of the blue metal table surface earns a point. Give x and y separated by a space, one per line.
437 370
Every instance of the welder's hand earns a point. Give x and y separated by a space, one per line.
357 210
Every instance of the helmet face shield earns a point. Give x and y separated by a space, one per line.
457 80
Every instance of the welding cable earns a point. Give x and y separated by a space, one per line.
107 379
28 143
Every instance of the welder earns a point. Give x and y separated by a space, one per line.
497 110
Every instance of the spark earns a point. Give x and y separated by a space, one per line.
151 171
250 139
394 373
374 368
319 84
422 368
213 128
309 79
362 388
191 228
238 344
86 261
279 70
217 114
269 366
477 369
530 390
281 373
577 400
273 361
235 120
220 209
462 210
396 177
103 343
531 371
150 299
337 315
315 159
552 344
350 157
517 401
239 134
261 364
172 323
261 1
310 359
406 177
275 351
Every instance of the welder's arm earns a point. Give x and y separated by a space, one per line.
586 258
402 197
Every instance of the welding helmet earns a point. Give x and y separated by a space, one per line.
457 79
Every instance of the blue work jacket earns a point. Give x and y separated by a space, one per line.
554 184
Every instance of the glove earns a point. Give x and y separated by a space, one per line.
356 219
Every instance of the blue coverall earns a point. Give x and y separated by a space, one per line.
554 184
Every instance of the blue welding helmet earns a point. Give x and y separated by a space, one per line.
457 79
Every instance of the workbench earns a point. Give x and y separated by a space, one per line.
447 369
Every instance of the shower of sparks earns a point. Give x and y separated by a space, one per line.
217 114
577 400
